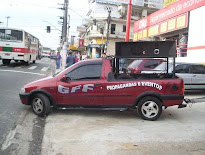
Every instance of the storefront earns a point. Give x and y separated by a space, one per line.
172 23
96 49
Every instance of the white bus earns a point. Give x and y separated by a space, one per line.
18 45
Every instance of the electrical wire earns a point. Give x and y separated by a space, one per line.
78 14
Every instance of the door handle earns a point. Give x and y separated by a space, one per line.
97 84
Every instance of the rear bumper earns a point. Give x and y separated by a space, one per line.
170 100
24 98
12 55
172 97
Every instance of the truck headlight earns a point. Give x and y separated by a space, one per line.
22 91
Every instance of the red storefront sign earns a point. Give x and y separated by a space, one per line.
81 42
169 25
177 8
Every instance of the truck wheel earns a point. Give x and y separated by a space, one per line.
6 61
40 105
149 108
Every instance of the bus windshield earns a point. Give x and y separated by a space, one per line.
11 35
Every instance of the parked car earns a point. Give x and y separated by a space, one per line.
161 68
54 56
193 74
140 65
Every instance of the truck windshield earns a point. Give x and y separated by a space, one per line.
11 35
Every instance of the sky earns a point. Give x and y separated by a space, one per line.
34 15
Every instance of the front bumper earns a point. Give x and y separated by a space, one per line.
24 98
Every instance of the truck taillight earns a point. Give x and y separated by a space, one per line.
182 87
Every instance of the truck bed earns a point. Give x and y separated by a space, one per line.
145 76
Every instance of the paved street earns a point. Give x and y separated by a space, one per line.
17 120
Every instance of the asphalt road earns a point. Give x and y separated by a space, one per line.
12 112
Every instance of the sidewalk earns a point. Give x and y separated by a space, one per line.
80 132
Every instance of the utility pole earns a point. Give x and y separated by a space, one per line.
68 27
8 20
65 21
64 33
108 25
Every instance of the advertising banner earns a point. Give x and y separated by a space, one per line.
81 42
170 11
169 25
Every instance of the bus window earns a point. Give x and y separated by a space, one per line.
11 35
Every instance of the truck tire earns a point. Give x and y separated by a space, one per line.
149 108
40 105
6 61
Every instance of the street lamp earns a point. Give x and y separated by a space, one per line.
8 20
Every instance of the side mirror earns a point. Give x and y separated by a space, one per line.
65 79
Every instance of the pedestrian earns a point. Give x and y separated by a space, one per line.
122 65
70 60
183 45
104 55
84 56
76 59
58 60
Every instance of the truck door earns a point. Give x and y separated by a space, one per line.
82 87
117 92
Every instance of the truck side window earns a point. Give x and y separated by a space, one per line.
86 72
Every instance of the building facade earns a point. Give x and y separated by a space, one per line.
106 23
180 22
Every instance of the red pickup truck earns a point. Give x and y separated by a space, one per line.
91 84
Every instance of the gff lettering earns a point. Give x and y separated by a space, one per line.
85 88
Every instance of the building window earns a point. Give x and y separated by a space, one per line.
124 28
146 3
113 28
